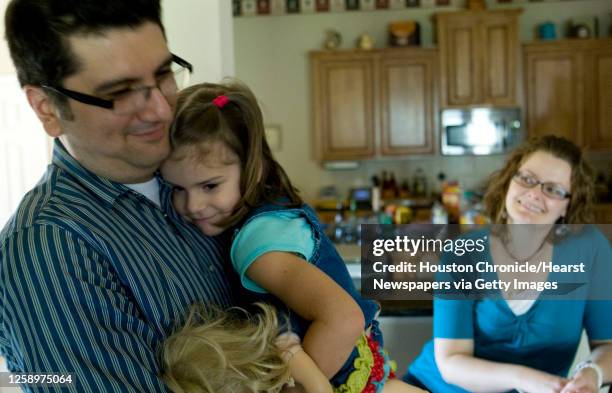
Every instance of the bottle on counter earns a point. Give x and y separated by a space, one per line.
451 199
385 180
438 214
389 187
350 232
393 186
439 186
420 183
402 215
376 199
404 190
472 211
387 191
338 228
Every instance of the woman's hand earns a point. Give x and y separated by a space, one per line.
585 381
535 381
458 366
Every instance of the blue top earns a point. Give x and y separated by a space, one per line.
94 276
274 231
546 337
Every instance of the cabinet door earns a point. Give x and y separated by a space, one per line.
407 101
460 61
500 58
598 125
343 105
554 88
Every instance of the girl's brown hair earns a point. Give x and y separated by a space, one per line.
230 351
239 125
580 208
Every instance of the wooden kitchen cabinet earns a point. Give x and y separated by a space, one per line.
598 96
568 87
343 104
373 103
407 101
554 86
479 57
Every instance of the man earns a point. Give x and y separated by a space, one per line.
95 265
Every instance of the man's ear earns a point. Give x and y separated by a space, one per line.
45 109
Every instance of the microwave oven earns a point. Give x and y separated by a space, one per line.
480 131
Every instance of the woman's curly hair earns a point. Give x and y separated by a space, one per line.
580 208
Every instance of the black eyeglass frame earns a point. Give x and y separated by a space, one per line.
101 102
566 194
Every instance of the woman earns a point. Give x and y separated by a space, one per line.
498 345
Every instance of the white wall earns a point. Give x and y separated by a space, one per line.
6 66
24 152
202 33
272 57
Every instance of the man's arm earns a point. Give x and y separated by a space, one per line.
64 311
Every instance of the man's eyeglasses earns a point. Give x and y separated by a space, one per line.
551 190
132 100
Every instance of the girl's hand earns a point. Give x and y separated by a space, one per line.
585 381
535 381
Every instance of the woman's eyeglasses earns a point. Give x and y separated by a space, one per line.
550 189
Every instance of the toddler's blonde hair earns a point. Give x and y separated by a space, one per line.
229 351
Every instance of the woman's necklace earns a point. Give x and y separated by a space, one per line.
522 259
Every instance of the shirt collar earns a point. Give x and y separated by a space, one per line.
105 189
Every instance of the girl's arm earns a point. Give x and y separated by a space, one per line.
586 379
336 319
458 366
305 372
303 369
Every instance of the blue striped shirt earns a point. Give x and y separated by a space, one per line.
94 276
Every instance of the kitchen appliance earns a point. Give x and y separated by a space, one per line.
362 197
480 131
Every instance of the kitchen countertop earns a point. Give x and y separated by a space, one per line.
351 253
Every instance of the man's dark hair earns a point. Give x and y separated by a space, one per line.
37 32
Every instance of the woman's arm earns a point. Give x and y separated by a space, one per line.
458 366
597 318
336 319
586 379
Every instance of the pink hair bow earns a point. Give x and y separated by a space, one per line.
220 101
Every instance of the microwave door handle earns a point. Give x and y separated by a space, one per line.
507 135
499 127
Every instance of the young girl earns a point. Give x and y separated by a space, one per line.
225 178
